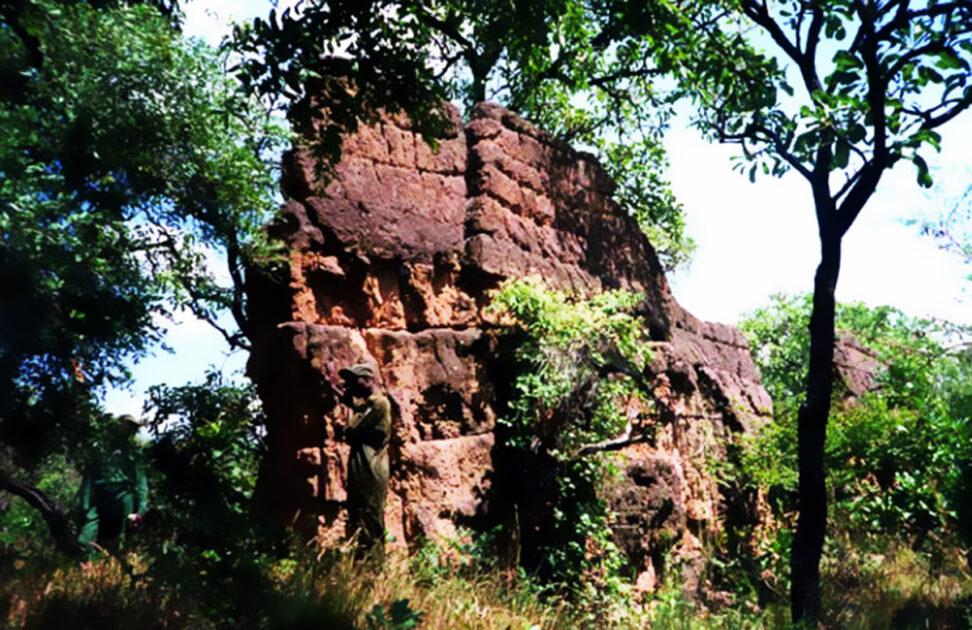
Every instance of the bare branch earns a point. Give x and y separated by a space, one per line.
849 183
759 14
858 195
197 298
808 63
627 439
448 29
960 106
820 185
769 136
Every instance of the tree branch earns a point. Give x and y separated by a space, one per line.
57 522
905 17
961 105
197 297
848 184
237 307
936 46
627 439
778 145
759 13
870 173
448 29
808 64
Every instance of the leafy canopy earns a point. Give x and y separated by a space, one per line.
127 158
866 84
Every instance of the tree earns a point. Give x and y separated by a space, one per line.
552 61
876 81
127 155
205 453
898 449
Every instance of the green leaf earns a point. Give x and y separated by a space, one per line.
841 154
847 61
924 177
949 60
929 74
843 77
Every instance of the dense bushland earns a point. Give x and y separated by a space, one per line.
898 457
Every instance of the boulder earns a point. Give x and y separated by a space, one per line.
391 261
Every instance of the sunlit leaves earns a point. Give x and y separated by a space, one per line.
895 454
576 360
895 76
562 394
127 157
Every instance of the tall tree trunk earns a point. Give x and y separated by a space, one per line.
812 430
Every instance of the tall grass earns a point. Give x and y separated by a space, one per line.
438 590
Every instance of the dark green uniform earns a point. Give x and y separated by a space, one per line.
111 489
367 433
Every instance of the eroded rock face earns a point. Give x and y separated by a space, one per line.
391 262
855 366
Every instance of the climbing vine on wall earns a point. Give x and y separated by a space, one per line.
580 366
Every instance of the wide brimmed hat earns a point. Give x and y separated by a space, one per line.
357 371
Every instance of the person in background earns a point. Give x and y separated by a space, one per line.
114 488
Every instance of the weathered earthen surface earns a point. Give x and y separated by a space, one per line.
391 262
856 366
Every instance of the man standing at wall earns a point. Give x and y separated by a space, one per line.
367 433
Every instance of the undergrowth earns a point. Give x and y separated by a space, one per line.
437 588
425 591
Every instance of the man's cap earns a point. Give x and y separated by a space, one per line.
357 371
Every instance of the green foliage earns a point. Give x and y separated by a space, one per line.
201 538
128 159
850 89
888 80
913 354
217 426
552 61
579 360
570 347
897 455
20 524
197 548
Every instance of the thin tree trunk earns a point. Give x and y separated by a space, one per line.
812 430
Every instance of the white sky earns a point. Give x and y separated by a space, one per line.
753 240
758 239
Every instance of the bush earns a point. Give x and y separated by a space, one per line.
576 363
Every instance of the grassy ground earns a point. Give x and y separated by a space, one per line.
437 591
